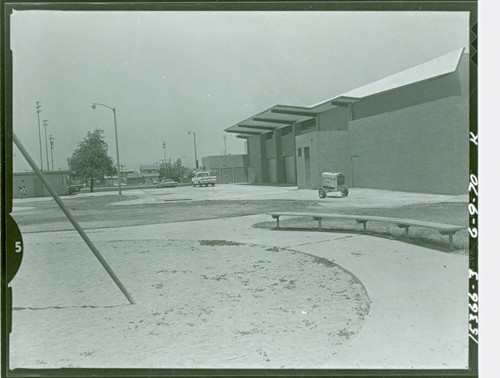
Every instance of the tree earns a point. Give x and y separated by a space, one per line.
172 169
90 160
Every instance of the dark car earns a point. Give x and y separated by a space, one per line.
167 183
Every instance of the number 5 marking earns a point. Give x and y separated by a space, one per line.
18 246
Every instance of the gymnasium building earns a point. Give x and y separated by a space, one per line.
406 132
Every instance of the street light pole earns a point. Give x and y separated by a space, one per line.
51 139
45 124
195 156
38 110
117 151
164 146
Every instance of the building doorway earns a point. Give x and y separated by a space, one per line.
307 166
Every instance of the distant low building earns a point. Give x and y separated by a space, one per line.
150 174
28 184
113 180
124 173
227 168
134 178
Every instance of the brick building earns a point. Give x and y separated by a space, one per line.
408 131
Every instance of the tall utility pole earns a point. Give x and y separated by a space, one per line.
45 124
51 139
164 146
38 110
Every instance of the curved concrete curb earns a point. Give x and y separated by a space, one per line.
418 315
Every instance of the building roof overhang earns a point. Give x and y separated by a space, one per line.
344 101
258 126
294 110
241 130
285 115
264 122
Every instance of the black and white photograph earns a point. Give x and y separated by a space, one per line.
268 188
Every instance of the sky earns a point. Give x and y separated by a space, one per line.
167 73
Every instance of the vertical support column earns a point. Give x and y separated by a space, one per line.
280 161
264 167
295 131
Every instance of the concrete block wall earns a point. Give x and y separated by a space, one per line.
334 154
422 148
329 152
270 148
287 144
429 91
335 119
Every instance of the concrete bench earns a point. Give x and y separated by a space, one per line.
443 229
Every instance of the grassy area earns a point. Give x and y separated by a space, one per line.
450 213
94 212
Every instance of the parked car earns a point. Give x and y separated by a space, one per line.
167 183
203 178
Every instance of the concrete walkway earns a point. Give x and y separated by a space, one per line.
418 314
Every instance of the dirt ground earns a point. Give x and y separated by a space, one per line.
209 303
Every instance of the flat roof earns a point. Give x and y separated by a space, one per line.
149 167
44 172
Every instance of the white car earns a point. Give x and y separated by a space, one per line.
167 183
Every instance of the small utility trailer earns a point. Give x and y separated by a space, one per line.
332 182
